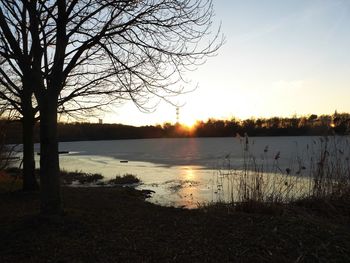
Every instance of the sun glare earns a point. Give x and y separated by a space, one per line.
189 123
189 174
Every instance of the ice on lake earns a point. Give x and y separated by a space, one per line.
182 172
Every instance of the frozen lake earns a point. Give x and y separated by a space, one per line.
184 172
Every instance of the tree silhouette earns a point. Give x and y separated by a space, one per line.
89 53
16 101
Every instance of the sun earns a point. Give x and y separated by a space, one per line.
189 123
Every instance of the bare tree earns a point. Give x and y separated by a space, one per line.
88 53
17 102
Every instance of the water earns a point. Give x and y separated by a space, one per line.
182 172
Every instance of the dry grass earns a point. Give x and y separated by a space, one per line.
114 224
322 172
9 183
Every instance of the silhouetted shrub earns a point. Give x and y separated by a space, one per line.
82 178
125 179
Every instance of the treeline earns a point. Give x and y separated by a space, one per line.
338 123
85 131
276 126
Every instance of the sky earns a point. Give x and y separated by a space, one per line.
280 58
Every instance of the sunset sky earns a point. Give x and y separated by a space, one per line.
280 58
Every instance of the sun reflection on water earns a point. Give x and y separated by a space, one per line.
190 173
189 192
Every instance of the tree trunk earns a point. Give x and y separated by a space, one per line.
49 163
29 180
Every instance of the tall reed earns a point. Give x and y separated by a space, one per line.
321 170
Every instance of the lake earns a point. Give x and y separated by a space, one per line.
187 171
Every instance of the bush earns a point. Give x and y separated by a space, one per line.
82 178
125 179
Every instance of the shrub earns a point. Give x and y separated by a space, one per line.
125 179
81 177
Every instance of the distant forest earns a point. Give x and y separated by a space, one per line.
338 123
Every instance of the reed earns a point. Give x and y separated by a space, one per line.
320 171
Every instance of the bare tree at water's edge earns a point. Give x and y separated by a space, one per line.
16 102
86 54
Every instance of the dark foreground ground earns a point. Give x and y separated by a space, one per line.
116 225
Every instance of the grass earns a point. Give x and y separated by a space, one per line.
11 180
116 225
83 178
68 178
322 172
9 183
296 215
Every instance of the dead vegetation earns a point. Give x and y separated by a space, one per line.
116 225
